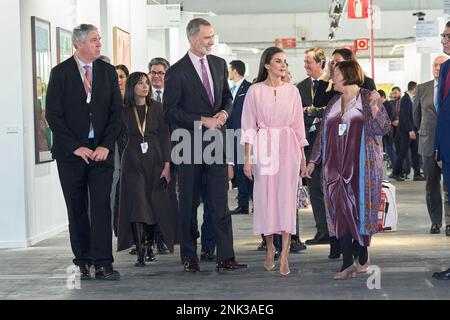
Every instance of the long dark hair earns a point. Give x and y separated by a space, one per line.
132 81
265 59
124 69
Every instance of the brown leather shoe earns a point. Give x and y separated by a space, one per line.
230 264
191 266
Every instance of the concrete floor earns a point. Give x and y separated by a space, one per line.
406 260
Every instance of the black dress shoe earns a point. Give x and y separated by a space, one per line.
207 256
435 229
262 246
106 273
335 249
419 177
443 275
150 256
132 251
85 274
230 264
396 177
191 266
318 239
296 246
447 230
162 248
239 210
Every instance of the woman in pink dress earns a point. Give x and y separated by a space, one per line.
272 123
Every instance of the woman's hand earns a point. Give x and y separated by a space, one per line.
375 101
248 171
166 172
308 171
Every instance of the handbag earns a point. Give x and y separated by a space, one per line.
302 195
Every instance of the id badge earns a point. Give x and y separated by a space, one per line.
342 129
89 97
144 147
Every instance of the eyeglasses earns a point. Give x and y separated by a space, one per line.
159 73
446 36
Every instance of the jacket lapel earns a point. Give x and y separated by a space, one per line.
192 74
76 77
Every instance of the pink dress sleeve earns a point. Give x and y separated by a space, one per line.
248 119
299 124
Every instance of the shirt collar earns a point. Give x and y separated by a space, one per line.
194 57
239 83
82 64
436 83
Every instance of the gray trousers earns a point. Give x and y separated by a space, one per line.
434 193
317 201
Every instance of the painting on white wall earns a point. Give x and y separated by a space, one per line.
42 64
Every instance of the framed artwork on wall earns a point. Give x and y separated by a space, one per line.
42 65
122 47
64 45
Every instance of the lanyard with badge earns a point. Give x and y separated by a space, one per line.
141 127
86 81
343 126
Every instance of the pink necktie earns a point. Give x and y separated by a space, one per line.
88 80
206 83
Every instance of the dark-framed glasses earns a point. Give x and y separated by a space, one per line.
159 73
445 36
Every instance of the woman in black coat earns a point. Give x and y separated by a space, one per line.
146 200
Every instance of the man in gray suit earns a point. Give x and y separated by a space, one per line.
425 119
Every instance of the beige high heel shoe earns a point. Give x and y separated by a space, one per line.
346 273
288 270
270 267
362 268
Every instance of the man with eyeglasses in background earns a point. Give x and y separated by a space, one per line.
157 68
442 141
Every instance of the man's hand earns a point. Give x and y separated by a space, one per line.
84 153
412 135
222 117
100 154
230 172
211 123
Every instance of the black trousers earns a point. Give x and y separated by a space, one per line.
317 201
87 186
405 145
216 184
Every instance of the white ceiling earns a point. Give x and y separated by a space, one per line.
223 7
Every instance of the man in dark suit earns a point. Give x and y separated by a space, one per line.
315 95
425 119
83 111
442 141
407 136
239 88
197 98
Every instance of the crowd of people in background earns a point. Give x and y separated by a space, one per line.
113 141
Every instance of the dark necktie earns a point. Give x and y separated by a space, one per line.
206 83
315 85
158 95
